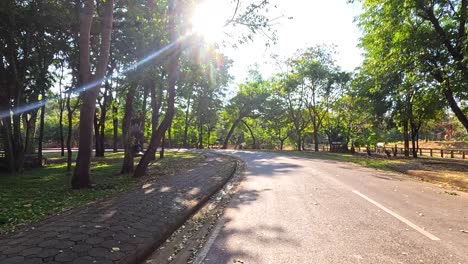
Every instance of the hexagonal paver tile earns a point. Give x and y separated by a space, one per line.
49 243
13 250
30 251
66 256
78 237
94 240
49 234
110 244
99 252
64 244
81 248
106 234
32 261
16 241
64 235
13 260
84 260
33 241
48 252
116 256
122 237
127 247
89 231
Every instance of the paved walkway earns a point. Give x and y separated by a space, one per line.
124 229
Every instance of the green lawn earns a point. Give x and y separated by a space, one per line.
39 193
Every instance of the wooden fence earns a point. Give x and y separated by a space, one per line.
427 152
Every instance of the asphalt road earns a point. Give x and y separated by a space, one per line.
297 210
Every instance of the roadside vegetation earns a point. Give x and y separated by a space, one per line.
443 172
134 75
39 193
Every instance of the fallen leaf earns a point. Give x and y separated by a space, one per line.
115 249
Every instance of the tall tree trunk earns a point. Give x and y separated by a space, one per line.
454 106
142 119
69 133
200 136
231 131
101 124
316 143
62 140
209 136
115 124
127 166
96 134
298 140
254 145
30 125
163 144
41 132
169 137
417 140
18 143
61 109
406 137
186 125
413 145
9 148
81 177
414 133
158 134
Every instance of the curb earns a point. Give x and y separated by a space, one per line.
144 252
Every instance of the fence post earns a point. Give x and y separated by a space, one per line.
441 153
431 152
463 154
420 152
451 154
359 149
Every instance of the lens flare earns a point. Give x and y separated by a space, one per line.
153 56
209 19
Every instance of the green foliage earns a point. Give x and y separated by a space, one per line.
415 50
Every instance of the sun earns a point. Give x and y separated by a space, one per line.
209 19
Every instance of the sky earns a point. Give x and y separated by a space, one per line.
314 22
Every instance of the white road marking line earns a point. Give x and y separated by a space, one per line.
401 218
209 243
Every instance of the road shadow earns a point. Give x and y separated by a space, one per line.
262 236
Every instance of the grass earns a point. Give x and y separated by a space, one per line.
446 173
42 192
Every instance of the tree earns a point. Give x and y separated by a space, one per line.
433 34
81 177
276 118
29 48
248 102
159 132
294 95
314 69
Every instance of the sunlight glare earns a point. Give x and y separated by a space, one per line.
208 20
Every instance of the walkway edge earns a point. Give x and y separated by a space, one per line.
142 254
